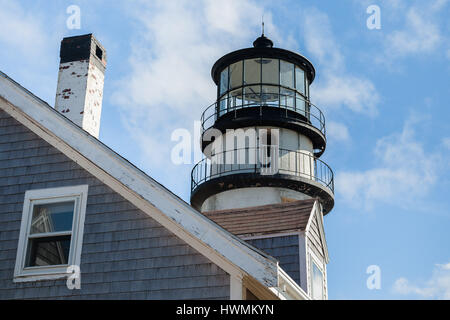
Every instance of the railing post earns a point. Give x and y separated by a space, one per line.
296 162
256 158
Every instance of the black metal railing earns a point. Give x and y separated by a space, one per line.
308 112
264 160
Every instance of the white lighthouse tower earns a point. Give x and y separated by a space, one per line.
262 138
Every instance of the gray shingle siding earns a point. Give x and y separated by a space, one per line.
125 255
314 240
285 249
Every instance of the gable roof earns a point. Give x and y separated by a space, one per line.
267 219
234 256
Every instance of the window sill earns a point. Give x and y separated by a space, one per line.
39 274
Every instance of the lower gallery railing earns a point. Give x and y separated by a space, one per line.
263 160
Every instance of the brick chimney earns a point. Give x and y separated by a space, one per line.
80 81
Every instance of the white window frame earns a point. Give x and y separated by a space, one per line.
320 265
78 194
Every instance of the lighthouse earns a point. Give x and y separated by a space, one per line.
262 138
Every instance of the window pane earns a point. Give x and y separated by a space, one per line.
317 283
52 217
252 71
287 98
286 74
300 80
48 251
252 95
270 96
236 75
300 104
223 105
224 81
236 99
307 87
269 70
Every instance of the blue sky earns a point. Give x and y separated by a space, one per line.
385 95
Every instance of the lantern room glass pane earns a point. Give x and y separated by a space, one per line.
223 105
307 87
252 71
286 74
270 96
270 72
300 80
236 74
287 98
300 104
252 96
223 81
235 99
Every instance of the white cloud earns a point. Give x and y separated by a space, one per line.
337 131
169 84
437 287
403 174
419 35
30 46
336 85
446 142
358 94
21 29
320 42
410 28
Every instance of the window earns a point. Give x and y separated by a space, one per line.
270 96
223 81
223 105
252 96
269 71
235 99
252 71
300 104
51 232
98 52
300 80
317 281
236 73
286 74
307 87
287 99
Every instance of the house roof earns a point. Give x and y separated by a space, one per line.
233 255
267 219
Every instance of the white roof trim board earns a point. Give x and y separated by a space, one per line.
232 254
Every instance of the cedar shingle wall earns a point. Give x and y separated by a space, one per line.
285 250
125 255
314 240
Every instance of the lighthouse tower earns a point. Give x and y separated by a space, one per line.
262 138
